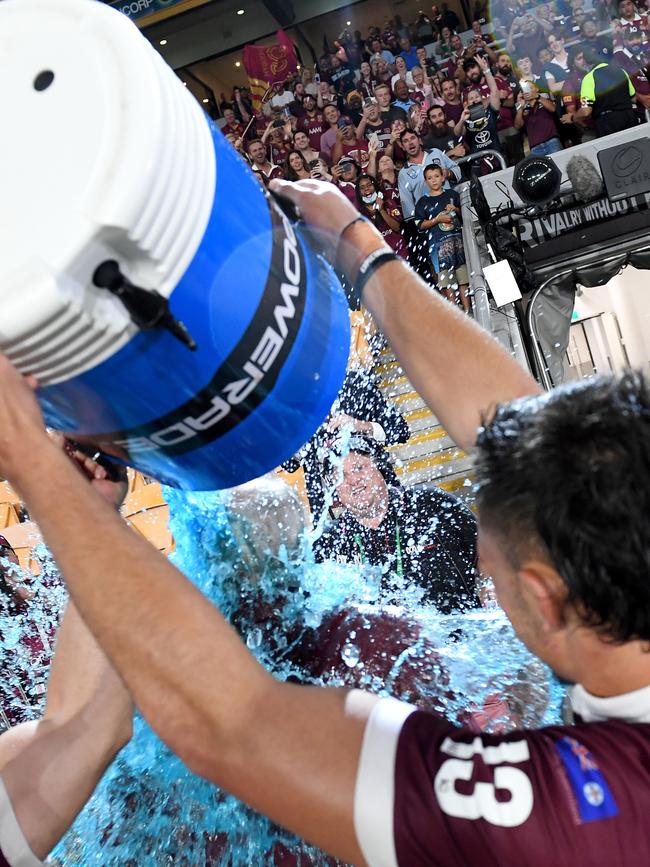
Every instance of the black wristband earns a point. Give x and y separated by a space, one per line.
368 267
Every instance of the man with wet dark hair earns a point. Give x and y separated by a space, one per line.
371 780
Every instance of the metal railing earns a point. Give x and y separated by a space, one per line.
484 315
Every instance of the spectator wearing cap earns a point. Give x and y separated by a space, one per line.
345 174
426 537
631 37
331 114
278 137
348 145
354 106
282 96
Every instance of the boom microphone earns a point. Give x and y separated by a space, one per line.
585 178
174 316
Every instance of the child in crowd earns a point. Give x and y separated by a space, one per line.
438 214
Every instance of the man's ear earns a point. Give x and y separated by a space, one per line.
546 592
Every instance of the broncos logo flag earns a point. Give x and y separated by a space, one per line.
269 64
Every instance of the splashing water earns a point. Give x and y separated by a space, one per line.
246 550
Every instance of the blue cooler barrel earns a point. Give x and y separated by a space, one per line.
114 181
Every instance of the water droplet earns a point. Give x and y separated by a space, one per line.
254 638
350 654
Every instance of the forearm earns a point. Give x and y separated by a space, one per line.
459 128
191 675
337 152
51 768
173 681
425 331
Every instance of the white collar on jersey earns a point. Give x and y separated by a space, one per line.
633 707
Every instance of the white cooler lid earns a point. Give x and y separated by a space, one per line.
103 155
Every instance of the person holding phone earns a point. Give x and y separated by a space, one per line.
372 126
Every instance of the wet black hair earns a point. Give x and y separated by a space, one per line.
567 476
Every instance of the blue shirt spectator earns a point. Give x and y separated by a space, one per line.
409 54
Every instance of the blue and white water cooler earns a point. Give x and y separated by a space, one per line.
173 315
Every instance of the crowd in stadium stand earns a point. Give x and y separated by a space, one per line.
377 110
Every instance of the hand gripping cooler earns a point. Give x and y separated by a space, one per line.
173 315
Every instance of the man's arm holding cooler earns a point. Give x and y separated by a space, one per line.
290 752
457 367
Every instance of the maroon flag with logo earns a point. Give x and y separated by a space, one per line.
269 64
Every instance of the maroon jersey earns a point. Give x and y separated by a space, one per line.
3 860
632 42
381 130
429 794
453 112
314 127
358 150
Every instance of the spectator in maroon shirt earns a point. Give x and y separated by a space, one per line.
302 144
331 114
383 212
312 122
232 125
345 174
347 143
453 105
536 115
